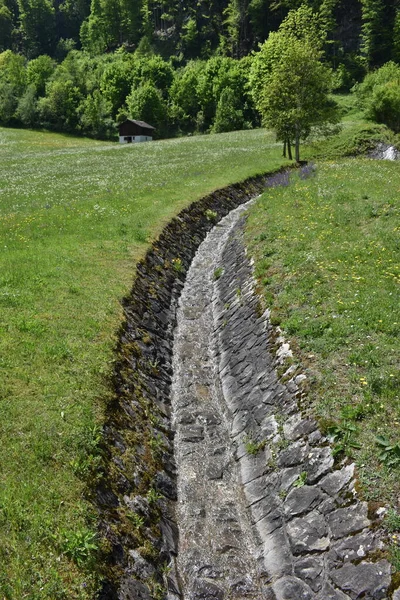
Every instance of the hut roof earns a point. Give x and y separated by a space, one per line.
139 123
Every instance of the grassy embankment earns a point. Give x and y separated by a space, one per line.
327 251
75 216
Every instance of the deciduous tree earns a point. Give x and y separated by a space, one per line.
296 98
290 83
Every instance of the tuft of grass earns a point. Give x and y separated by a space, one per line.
301 480
252 447
218 272
211 215
326 255
392 521
75 216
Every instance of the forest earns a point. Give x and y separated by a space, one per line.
78 66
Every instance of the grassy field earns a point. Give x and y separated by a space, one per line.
75 215
327 258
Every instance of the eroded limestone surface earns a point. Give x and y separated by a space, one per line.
263 512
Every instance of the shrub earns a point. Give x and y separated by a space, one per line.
385 105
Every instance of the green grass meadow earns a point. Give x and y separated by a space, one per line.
75 216
327 251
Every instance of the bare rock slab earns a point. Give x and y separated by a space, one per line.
366 580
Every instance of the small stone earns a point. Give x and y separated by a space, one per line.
369 580
283 353
300 378
293 455
289 371
310 569
215 471
255 490
269 524
269 427
320 460
315 438
381 512
308 534
254 466
264 507
353 548
290 588
140 567
138 504
210 572
345 521
243 586
329 593
301 500
260 411
227 540
165 485
296 427
170 535
277 556
133 590
193 433
289 476
327 506
334 482
205 590
241 421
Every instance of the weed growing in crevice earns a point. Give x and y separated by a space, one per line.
177 265
136 519
218 273
301 480
153 496
211 215
252 447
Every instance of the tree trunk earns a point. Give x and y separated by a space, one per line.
284 148
289 149
297 146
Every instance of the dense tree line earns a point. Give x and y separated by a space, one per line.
361 32
86 94
83 65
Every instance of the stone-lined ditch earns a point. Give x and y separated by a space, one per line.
138 526
262 512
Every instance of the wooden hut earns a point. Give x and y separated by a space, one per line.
135 131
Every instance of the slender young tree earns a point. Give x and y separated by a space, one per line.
289 82
296 97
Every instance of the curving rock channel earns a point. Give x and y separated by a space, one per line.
216 486
262 510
